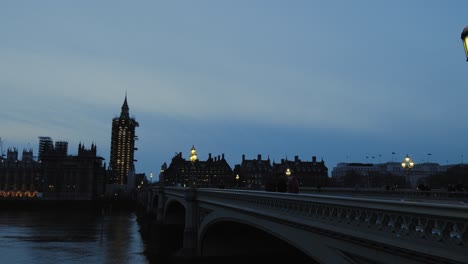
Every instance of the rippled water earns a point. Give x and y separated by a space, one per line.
57 236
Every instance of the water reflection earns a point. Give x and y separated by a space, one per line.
70 237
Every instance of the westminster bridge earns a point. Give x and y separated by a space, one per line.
320 227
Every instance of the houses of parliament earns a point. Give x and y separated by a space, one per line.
55 175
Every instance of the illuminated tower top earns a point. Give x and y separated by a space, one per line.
193 154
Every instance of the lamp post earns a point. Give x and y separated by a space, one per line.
193 158
151 178
288 180
464 37
161 175
237 180
407 165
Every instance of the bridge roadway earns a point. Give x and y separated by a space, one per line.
320 227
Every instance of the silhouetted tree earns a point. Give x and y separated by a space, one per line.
270 183
374 179
333 182
352 179
281 184
455 176
293 184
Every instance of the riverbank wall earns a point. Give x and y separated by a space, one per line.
48 204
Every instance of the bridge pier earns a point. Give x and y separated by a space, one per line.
147 216
165 235
149 202
157 234
190 244
160 209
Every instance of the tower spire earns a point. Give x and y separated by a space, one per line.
125 109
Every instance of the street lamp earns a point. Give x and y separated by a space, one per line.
464 37
151 178
407 165
237 180
161 175
288 180
193 158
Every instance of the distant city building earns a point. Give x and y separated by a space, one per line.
78 177
27 156
12 155
122 147
363 169
61 147
368 170
56 176
214 172
19 178
45 144
259 173
308 173
253 172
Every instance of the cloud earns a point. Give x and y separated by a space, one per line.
267 93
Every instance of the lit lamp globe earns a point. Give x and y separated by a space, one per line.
193 158
288 172
464 37
407 163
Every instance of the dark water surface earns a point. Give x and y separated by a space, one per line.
70 236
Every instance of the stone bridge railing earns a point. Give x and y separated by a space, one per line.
436 194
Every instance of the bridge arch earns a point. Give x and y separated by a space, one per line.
173 225
174 212
247 240
277 238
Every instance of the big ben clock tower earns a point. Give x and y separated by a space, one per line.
122 146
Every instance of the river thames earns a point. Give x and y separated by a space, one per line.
71 236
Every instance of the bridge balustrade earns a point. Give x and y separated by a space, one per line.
432 230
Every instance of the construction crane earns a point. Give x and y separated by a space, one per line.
1 149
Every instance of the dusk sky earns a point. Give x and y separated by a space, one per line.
339 80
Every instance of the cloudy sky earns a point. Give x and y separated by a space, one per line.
340 80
